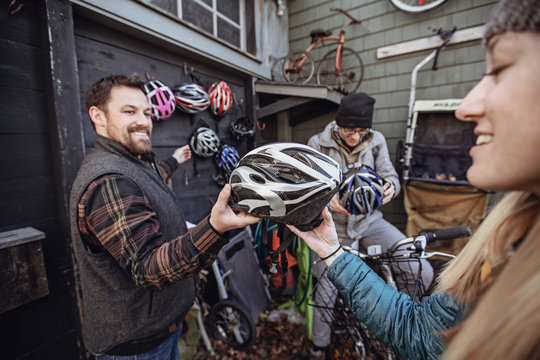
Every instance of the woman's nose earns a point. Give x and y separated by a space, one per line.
472 106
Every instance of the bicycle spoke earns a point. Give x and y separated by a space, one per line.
348 79
294 73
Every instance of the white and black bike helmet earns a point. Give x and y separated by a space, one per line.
286 182
204 142
191 98
362 193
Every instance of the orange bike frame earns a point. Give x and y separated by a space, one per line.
296 65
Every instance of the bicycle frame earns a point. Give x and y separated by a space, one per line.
296 64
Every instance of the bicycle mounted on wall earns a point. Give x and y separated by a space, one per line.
341 68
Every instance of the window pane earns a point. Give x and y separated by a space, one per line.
230 9
207 2
251 45
228 33
197 15
167 5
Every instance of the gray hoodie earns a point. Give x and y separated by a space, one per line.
374 153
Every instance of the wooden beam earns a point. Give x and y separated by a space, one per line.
432 42
280 106
299 90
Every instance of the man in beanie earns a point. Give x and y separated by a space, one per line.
352 143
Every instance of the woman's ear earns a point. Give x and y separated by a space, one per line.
97 116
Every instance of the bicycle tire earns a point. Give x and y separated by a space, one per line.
351 75
306 72
225 318
416 6
277 70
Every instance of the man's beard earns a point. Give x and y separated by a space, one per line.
137 146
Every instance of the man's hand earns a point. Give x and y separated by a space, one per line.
389 192
182 154
335 206
223 218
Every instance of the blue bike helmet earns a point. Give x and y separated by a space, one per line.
362 192
227 158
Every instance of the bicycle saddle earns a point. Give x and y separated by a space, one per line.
318 33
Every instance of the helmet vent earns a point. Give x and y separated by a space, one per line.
257 178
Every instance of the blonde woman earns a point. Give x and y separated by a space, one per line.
487 304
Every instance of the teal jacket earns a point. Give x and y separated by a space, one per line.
410 328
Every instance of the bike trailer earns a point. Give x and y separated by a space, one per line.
433 166
246 284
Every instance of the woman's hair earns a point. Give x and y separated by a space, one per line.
504 317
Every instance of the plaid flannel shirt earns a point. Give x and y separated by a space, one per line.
114 215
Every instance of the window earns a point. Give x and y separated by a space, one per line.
229 20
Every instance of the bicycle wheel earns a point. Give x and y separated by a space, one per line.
350 77
277 70
295 75
231 324
417 6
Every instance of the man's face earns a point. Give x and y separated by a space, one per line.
352 136
127 119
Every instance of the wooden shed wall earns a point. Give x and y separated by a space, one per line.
43 328
389 80
102 51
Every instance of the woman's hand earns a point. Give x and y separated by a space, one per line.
323 239
223 217
335 206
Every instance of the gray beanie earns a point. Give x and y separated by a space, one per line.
355 110
513 15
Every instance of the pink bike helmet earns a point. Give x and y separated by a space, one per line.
220 98
161 99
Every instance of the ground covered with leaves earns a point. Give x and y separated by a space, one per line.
283 340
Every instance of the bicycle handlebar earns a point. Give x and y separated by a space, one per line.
447 234
353 20
417 244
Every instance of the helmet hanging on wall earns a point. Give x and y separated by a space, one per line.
241 127
191 98
286 182
204 142
362 193
227 158
220 98
161 99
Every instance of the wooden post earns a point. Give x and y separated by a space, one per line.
64 118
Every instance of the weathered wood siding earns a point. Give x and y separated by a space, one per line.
102 51
43 328
389 80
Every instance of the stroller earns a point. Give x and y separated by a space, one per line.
432 165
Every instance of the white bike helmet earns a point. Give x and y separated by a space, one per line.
362 193
204 142
286 182
191 98
161 99
220 98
